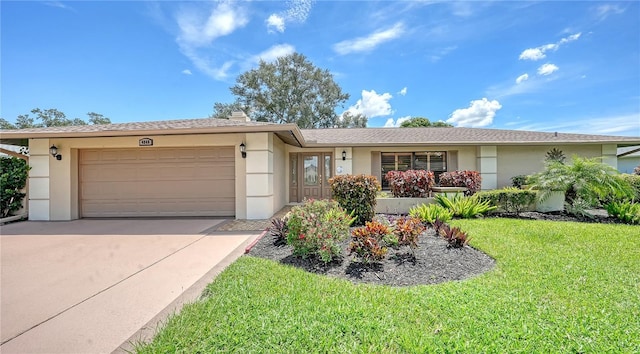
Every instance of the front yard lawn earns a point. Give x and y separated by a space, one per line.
557 287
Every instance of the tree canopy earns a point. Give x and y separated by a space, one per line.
289 90
416 122
51 118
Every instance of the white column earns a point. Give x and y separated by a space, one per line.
259 170
39 160
487 157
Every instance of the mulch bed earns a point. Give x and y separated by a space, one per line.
434 261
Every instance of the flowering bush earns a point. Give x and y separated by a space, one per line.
368 241
411 183
356 194
468 179
316 228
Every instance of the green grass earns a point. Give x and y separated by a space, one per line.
557 287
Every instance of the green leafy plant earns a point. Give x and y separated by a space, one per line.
510 200
411 183
518 181
555 155
367 241
317 227
464 207
626 212
429 213
13 178
468 179
356 194
634 182
584 178
456 238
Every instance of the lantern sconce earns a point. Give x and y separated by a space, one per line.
344 155
243 150
54 152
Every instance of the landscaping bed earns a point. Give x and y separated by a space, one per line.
434 262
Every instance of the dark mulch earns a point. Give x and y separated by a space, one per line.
434 262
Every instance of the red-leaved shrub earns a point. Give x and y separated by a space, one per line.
410 183
468 179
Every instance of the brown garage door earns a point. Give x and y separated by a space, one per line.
157 182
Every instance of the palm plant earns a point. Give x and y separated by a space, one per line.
584 180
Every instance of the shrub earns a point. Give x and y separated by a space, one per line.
456 238
367 241
518 181
279 230
464 207
585 179
634 181
357 195
510 200
429 213
626 212
316 228
408 230
468 179
411 183
13 178
636 171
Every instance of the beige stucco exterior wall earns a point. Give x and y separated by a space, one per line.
280 174
525 160
259 162
53 184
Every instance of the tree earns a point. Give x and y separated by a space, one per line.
289 90
348 120
417 122
51 118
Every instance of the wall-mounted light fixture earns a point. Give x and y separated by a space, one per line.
54 152
344 155
243 150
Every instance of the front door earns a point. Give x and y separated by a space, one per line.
314 170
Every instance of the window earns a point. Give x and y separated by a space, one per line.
435 161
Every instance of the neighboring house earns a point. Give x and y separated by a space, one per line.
195 167
628 158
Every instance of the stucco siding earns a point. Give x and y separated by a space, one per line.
525 160
280 174
627 164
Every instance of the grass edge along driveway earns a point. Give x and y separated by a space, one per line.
557 287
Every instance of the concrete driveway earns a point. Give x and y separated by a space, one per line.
88 286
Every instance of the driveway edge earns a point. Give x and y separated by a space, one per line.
192 294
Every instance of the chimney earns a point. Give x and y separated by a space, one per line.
239 116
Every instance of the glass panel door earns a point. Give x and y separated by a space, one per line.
311 172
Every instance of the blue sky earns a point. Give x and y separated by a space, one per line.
544 66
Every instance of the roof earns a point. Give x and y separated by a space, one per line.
450 136
292 135
630 151
289 133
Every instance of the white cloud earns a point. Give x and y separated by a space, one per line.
275 22
297 12
521 78
391 123
539 52
479 114
547 69
370 42
198 30
403 91
603 11
372 104
625 124
186 72
273 53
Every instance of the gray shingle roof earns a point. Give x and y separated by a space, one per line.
450 136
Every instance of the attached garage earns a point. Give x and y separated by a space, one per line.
143 182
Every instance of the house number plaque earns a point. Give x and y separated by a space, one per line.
145 142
